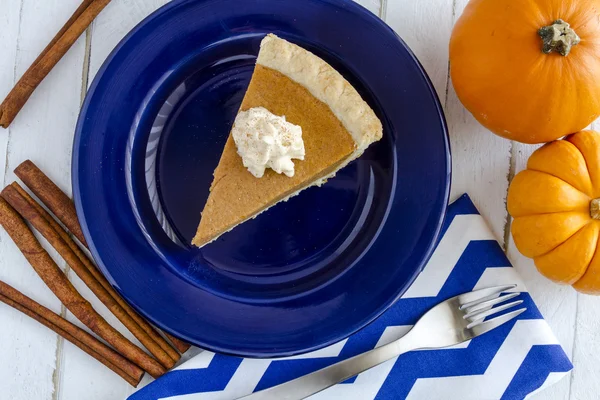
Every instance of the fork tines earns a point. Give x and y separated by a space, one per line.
484 303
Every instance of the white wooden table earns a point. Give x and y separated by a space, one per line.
36 364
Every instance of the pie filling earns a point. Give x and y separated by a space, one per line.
236 195
319 180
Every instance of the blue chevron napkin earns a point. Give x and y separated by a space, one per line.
511 362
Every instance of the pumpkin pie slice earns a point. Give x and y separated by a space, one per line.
337 126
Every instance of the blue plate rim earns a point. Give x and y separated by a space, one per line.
444 196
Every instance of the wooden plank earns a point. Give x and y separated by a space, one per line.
586 346
43 132
9 20
584 381
372 5
480 160
117 19
557 303
572 316
413 21
80 375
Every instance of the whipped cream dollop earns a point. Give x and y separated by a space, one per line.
265 140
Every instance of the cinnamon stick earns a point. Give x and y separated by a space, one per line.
51 55
179 344
80 338
89 265
13 194
63 208
55 199
57 281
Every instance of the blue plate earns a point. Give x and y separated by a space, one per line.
308 272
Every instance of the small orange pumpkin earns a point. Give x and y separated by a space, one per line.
555 204
528 70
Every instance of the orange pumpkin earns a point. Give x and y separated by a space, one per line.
528 70
555 204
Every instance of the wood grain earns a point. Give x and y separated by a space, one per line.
79 378
482 167
586 342
480 160
86 342
29 370
557 303
9 20
372 5
113 24
412 20
584 381
48 58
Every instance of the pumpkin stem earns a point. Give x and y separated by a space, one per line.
558 37
595 209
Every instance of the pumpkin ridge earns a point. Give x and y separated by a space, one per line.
596 253
536 248
566 240
581 210
562 180
587 167
547 264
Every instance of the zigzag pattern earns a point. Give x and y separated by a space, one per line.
508 363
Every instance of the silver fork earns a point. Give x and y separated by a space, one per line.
451 322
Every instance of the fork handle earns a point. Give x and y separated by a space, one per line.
322 379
